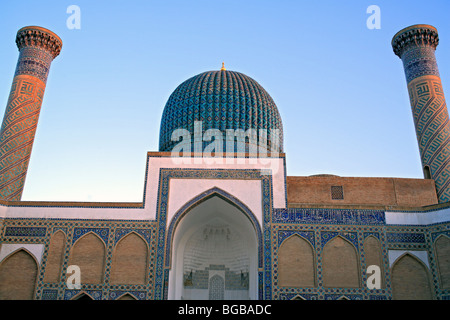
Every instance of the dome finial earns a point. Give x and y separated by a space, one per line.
223 67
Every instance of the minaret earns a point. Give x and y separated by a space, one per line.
416 46
37 49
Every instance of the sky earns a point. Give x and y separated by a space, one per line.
338 86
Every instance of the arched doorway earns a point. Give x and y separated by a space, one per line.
214 251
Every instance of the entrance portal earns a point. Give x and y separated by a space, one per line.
215 254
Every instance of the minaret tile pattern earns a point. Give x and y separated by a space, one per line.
416 46
37 49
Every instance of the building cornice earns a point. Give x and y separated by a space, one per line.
41 37
416 35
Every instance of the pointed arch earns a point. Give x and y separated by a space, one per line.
373 254
89 253
410 279
82 296
18 276
442 249
340 264
129 260
296 267
55 257
127 296
199 200
214 208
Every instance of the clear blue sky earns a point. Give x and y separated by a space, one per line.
340 89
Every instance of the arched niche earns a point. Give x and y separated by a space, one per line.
89 253
340 266
130 260
410 279
442 249
18 276
55 257
373 254
216 235
296 267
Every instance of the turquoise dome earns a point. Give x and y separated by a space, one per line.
220 100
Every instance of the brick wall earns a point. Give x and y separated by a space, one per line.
396 192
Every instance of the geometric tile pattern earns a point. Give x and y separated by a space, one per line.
120 233
406 237
138 295
416 47
38 47
94 294
317 234
25 231
17 134
49 294
101 232
220 100
109 231
217 288
433 130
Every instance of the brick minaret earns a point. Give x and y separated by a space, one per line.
38 47
416 46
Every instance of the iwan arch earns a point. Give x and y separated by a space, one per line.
216 238
241 229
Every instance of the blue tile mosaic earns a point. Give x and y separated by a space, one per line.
406 237
329 216
103 233
25 231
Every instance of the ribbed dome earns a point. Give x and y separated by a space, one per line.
221 100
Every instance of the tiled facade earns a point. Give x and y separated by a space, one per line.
391 237
316 226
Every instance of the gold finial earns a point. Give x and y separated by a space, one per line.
223 67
